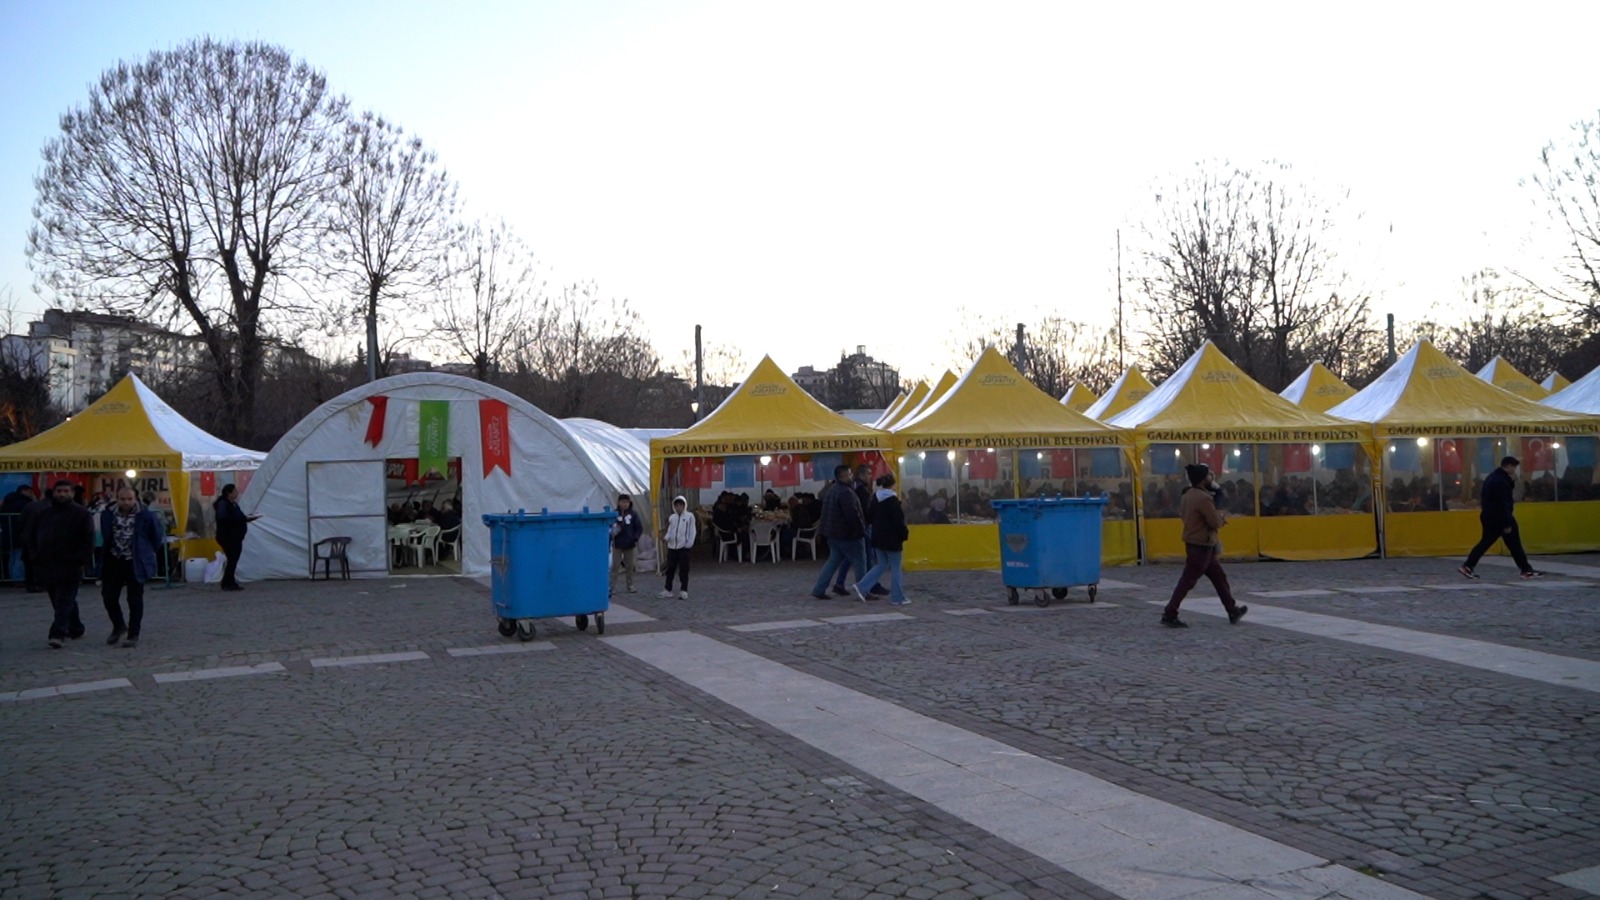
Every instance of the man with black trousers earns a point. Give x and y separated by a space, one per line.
60 543
1498 522
132 535
232 524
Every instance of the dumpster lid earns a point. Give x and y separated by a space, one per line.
544 515
1057 500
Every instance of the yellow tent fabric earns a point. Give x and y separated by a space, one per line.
993 405
1505 376
919 393
1210 401
1128 389
1317 389
891 410
1078 398
935 393
1555 381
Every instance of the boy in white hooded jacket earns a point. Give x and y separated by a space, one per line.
681 532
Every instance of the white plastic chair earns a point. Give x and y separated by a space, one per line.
807 536
726 539
451 538
424 545
763 536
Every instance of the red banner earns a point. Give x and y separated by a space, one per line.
1449 458
1537 455
873 458
494 424
380 408
983 464
694 473
784 471
1297 457
1211 456
208 484
1063 463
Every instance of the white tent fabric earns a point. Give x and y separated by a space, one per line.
1581 396
622 458
324 479
202 451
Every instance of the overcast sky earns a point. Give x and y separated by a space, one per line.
801 178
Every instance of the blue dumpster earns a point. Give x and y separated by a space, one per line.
549 564
1049 544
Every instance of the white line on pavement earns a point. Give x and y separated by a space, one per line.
777 626
865 617
493 649
1123 841
265 668
372 659
62 690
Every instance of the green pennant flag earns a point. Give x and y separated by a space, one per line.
433 436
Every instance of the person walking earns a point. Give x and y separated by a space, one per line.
25 522
681 532
889 536
845 526
133 535
1498 522
862 485
625 532
60 543
1203 550
232 525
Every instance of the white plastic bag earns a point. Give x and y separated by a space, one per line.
215 567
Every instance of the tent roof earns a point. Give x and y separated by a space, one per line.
1128 389
1582 396
1425 393
1505 376
1555 381
127 428
935 394
1317 389
1078 397
992 405
769 413
919 393
889 411
621 457
1211 399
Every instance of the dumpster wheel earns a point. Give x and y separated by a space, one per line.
1041 597
599 623
507 628
1058 593
1011 595
583 622
525 630
1093 589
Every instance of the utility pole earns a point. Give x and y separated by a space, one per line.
1392 357
699 376
1120 364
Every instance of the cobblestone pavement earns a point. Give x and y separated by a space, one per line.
568 768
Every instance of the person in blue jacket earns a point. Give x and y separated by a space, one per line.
625 533
132 536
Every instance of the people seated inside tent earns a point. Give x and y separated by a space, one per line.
936 510
770 501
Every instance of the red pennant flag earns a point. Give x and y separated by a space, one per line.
380 408
1297 457
1063 463
494 427
983 464
208 484
784 471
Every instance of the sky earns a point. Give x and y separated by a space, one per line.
804 178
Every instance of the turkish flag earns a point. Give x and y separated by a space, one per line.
1063 463
494 427
694 473
873 458
1211 456
983 464
1297 457
1449 460
784 471
715 470
1537 455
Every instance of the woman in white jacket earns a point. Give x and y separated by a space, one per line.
680 536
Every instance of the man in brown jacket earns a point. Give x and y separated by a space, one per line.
1201 521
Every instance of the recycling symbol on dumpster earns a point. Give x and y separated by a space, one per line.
1017 542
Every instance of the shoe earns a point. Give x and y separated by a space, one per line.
1531 574
819 596
1466 572
1236 614
665 594
879 590
683 595
632 591
76 635
56 643
1174 622
859 596
906 602
115 637
840 590
130 643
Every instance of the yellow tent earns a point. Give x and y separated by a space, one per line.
1317 389
768 415
1127 390
1505 376
131 436
1078 397
1555 381
933 395
1439 430
892 410
995 435
1307 470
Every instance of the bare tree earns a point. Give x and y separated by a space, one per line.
192 185
1052 353
587 358
1568 188
1247 262
392 218
1498 317
493 302
26 405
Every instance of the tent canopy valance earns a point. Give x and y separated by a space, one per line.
1426 394
767 414
127 428
993 405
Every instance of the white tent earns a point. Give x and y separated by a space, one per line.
1581 396
326 477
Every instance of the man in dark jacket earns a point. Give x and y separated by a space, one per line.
845 527
132 536
625 532
60 543
232 525
1498 522
11 531
862 485
30 515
